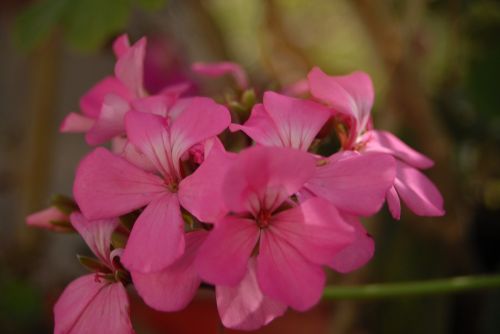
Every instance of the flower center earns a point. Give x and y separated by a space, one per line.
173 186
263 219
171 183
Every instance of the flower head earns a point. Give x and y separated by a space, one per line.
95 302
107 185
289 241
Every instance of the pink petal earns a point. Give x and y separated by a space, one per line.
244 306
43 219
354 183
201 119
263 177
260 127
358 253
173 288
96 233
418 192
314 228
157 238
285 275
108 186
351 95
386 142
91 102
129 67
120 45
223 258
74 122
124 148
284 121
156 104
201 192
177 89
222 68
178 108
90 305
298 121
110 122
393 203
149 134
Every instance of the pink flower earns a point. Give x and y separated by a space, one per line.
413 187
105 105
94 303
284 122
351 99
356 184
98 302
349 96
125 86
289 242
107 185
50 219
222 68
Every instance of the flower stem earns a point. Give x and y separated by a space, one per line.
415 288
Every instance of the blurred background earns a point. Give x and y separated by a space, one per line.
436 69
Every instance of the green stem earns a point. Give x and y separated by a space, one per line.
416 288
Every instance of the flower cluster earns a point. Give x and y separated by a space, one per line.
187 205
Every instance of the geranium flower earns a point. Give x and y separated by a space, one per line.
106 103
98 302
107 185
356 184
289 241
351 98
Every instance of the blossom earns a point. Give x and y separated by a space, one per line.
51 218
356 184
107 185
289 241
94 303
124 86
104 106
258 222
351 98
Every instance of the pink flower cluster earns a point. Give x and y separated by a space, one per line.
259 225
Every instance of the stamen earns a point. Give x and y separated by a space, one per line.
263 218
321 162
172 183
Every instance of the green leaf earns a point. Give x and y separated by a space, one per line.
36 22
151 4
90 23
